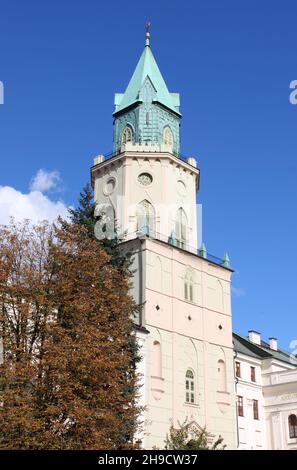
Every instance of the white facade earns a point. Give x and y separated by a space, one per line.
273 385
251 426
280 395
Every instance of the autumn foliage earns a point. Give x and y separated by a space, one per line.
67 379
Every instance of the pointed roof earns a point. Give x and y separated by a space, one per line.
147 67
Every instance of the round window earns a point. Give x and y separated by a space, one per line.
145 179
109 186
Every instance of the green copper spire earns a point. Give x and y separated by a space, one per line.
226 261
147 67
203 251
147 107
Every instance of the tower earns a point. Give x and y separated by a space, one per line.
148 191
144 185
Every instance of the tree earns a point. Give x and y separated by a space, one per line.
85 214
65 322
189 437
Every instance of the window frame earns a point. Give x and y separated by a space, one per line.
256 409
168 136
190 392
253 374
124 140
292 426
146 217
240 407
189 285
181 228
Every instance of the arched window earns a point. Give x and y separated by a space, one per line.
157 360
190 386
126 135
105 225
145 218
222 378
189 285
181 228
167 136
292 426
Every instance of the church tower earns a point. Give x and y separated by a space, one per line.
147 191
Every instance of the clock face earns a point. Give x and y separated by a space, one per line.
145 179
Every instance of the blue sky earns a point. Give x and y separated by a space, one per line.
232 62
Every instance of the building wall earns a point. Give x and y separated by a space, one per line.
173 186
192 335
276 391
280 395
251 432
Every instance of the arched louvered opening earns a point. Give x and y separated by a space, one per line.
168 136
181 228
146 218
126 135
189 285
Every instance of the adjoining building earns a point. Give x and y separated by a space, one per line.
266 393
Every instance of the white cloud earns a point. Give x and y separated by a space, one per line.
34 205
238 292
45 180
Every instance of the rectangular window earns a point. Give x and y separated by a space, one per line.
256 409
253 374
191 293
186 290
237 369
239 405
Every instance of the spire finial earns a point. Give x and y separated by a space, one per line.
147 33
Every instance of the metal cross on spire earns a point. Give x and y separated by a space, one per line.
147 33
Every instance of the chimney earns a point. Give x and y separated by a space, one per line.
99 159
273 343
255 337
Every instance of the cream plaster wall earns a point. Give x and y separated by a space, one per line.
164 192
192 335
